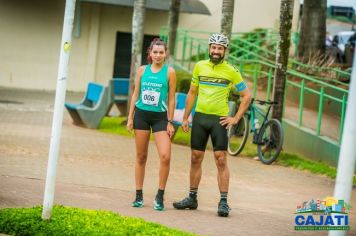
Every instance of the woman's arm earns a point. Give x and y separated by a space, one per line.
171 93
171 100
134 97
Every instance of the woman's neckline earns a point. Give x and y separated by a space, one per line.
155 72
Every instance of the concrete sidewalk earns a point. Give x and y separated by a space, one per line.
96 171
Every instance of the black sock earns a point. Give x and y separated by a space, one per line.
139 195
193 192
160 194
223 196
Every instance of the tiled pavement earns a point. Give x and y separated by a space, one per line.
95 171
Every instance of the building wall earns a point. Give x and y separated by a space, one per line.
114 19
31 36
304 142
248 15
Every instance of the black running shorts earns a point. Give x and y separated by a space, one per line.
205 125
147 120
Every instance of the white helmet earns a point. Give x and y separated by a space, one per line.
219 39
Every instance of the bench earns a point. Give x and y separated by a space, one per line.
93 107
179 110
119 92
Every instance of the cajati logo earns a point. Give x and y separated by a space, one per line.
327 214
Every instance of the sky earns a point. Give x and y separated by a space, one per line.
346 3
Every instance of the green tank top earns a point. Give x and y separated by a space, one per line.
153 90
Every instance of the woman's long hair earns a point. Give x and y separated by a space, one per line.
155 41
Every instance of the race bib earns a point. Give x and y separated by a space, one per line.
150 97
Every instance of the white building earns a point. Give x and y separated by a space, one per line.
31 35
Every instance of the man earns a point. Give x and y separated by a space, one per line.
212 80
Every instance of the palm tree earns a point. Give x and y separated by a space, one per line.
137 39
227 17
285 25
313 28
173 20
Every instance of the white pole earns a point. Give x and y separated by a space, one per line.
347 157
58 109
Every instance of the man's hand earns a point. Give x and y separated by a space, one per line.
228 121
185 125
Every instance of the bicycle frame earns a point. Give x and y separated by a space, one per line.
268 137
253 110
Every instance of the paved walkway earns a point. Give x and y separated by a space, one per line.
96 171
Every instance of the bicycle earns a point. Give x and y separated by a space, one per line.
268 137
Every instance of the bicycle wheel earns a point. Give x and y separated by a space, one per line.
270 141
237 136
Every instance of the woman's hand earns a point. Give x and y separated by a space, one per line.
129 124
170 130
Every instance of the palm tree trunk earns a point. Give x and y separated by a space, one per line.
313 28
137 39
227 17
286 16
173 20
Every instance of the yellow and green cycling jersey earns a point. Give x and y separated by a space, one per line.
214 83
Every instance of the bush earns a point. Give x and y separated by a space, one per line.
198 57
183 81
76 221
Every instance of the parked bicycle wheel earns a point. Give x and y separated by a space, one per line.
238 136
270 141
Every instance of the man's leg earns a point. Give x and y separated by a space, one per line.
195 168
199 139
223 170
223 182
191 201
219 139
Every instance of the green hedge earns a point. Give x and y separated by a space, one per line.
183 81
76 221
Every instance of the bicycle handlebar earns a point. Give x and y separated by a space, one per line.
261 102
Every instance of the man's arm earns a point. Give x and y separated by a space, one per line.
189 103
246 98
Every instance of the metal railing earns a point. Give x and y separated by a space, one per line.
256 63
258 70
260 44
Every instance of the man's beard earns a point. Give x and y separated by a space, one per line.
216 60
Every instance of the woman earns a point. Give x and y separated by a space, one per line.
152 107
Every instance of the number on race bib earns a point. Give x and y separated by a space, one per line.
150 97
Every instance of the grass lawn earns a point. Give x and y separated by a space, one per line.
76 221
113 125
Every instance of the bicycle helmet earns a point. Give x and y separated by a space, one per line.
219 39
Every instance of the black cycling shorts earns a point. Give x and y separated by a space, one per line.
205 125
147 120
